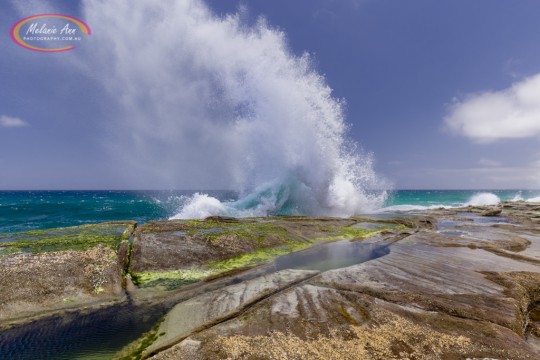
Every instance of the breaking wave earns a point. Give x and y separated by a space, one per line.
484 198
208 100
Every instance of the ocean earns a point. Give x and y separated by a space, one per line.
33 210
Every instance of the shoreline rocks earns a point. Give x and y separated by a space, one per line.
454 283
466 288
45 272
48 271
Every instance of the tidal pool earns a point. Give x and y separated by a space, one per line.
96 335
102 333
331 256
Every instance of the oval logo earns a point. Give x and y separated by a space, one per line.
49 32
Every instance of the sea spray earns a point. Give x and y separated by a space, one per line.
518 197
207 101
484 198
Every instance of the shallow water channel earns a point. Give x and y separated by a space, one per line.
102 333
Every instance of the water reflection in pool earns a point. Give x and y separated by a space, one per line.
102 333
97 335
331 256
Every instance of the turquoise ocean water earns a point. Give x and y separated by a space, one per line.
31 210
422 199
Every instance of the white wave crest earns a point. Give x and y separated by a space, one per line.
201 206
484 198
518 197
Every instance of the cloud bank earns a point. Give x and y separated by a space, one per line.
8 121
511 113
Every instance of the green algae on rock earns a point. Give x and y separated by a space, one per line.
82 237
179 252
206 309
450 284
468 289
36 283
161 254
49 270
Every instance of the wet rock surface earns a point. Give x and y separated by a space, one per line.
450 284
181 244
178 252
32 283
48 270
466 288
208 309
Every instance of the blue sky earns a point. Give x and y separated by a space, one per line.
443 93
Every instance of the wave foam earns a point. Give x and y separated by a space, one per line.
201 206
518 197
283 197
405 207
482 199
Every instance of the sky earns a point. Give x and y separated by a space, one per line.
445 95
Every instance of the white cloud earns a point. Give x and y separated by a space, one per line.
30 7
510 67
8 121
511 113
488 162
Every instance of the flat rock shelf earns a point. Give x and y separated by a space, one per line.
441 284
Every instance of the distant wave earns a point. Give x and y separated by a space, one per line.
478 199
406 207
484 198
518 197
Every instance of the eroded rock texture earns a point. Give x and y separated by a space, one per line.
467 288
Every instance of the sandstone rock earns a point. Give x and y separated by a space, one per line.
33 283
43 271
491 212
208 309
467 290
453 285
313 322
174 253
178 244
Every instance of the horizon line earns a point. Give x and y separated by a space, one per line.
231 190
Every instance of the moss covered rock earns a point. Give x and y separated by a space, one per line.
44 271
175 252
